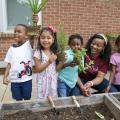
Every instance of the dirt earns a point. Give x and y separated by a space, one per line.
82 113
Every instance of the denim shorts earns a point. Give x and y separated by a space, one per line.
21 90
64 90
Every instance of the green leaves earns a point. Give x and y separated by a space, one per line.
112 36
62 38
79 57
36 6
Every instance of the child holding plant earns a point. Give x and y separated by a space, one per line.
68 75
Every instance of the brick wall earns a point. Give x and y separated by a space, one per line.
84 16
4 45
79 16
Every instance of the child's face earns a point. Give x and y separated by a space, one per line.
97 46
75 44
46 40
20 34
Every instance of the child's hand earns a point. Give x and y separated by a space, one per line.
72 64
6 81
76 60
52 58
61 56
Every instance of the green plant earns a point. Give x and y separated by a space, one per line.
62 38
111 36
35 5
79 57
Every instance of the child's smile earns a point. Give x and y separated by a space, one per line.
46 39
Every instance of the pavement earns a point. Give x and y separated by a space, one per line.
5 92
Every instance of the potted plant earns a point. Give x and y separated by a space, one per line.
62 40
36 7
112 37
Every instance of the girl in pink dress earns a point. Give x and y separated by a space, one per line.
45 64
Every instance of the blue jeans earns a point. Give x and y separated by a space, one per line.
114 88
64 90
21 90
101 87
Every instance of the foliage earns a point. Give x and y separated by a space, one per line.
112 36
79 57
35 6
62 38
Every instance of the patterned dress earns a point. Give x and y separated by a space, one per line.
47 79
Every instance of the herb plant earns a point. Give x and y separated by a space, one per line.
79 57
62 38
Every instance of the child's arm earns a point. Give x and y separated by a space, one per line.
41 67
59 66
5 80
112 75
63 65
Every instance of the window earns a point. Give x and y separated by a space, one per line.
13 13
17 13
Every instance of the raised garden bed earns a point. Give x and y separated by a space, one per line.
65 107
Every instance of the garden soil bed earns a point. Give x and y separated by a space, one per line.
85 112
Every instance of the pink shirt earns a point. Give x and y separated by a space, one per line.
115 60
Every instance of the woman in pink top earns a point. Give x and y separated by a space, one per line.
114 78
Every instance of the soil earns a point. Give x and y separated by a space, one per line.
86 112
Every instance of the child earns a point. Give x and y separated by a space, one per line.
19 68
115 67
68 75
45 63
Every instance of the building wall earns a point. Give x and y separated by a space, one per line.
84 16
78 16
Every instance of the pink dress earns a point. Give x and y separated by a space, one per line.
47 79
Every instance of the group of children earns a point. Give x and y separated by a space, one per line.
54 77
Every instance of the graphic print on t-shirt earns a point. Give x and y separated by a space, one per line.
26 71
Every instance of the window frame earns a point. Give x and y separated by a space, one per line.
4 19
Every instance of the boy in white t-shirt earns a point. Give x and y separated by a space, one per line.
19 68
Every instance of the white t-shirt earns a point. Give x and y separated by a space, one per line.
21 60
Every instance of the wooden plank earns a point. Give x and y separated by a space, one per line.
112 106
42 105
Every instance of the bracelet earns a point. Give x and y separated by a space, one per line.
91 83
